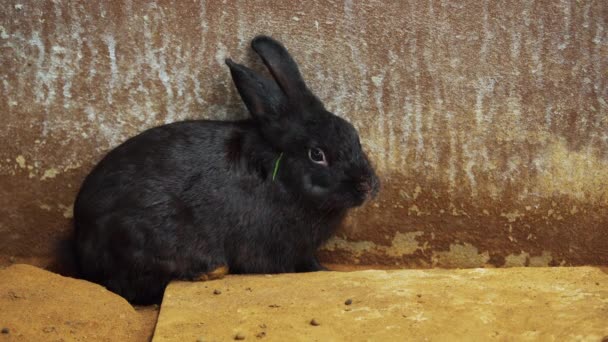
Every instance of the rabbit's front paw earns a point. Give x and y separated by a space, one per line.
217 273
310 264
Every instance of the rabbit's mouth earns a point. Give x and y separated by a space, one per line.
351 192
357 193
364 192
368 188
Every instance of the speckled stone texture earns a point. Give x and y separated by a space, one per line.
487 120
515 304
37 305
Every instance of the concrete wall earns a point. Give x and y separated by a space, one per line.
487 120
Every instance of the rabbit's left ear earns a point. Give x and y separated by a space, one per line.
281 106
282 67
266 103
262 96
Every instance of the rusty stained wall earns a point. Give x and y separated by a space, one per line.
487 120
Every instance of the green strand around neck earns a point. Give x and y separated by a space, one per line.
276 166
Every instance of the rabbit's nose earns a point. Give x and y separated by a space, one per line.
364 186
368 186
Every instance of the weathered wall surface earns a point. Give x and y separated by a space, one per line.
487 120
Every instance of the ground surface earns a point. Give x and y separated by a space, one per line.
37 305
480 304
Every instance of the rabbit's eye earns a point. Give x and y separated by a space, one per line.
317 156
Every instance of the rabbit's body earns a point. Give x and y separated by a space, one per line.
198 210
183 200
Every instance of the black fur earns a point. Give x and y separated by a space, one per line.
179 200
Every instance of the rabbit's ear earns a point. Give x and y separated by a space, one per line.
262 96
281 65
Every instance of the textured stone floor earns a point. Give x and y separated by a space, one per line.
37 305
520 304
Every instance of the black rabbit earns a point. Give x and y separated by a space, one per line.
191 200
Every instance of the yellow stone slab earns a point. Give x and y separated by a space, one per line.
515 304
